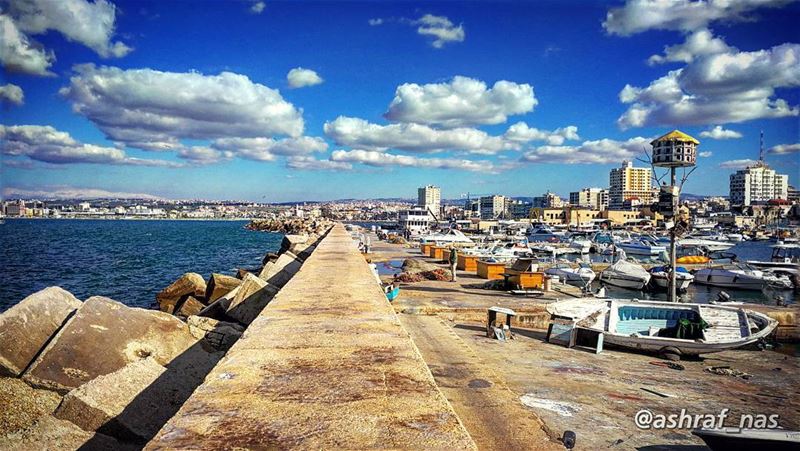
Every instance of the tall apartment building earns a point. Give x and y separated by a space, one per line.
430 197
548 200
493 207
758 184
594 198
628 183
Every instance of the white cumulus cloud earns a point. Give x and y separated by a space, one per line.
19 54
720 133
700 42
11 94
153 110
441 29
257 7
89 23
637 16
46 144
463 101
309 163
358 133
705 154
521 132
266 149
737 164
784 149
724 87
300 77
601 151
382 159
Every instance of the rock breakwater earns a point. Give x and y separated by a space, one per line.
112 375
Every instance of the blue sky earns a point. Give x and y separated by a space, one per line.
192 100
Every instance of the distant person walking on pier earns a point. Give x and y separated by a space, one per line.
453 261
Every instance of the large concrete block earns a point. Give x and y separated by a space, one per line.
51 434
219 285
252 296
26 327
99 402
190 306
291 240
102 337
189 284
279 272
219 334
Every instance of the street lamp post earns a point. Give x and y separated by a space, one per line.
673 150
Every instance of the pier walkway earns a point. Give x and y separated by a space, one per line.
326 365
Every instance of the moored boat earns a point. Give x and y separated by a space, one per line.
741 276
641 247
582 276
666 327
625 274
736 439
659 278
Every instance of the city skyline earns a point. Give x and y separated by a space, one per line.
279 102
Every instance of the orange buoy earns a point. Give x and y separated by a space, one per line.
693 259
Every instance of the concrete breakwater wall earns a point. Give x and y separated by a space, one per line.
112 375
326 365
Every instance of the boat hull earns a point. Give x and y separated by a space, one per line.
623 282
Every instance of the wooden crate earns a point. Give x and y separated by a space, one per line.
525 280
425 248
438 253
490 270
467 263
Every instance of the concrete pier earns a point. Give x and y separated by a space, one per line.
325 365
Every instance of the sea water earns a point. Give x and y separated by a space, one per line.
126 260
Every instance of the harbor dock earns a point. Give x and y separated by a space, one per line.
594 395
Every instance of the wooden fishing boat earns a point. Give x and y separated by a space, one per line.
666 327
734 439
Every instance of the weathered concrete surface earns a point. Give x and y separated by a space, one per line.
26 327
104 336
490 411
21 405
250 299
326 365
219 285
97 402
51 434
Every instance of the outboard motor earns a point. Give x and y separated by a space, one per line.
723 297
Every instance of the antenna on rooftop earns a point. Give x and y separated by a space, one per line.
761 149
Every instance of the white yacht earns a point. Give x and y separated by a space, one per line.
582 276
625 274
783 256
641 247
707 245
447 236
741 276
544 233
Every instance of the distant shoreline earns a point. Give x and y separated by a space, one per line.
130 219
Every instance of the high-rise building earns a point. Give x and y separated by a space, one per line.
631 184
758 184
548 200
430 197
494 207
594 198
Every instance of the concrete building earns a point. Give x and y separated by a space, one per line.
430 197
519 209
628 183
15 208
580 217
792 194
593 198
548 200
493 207
415 220
757 184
